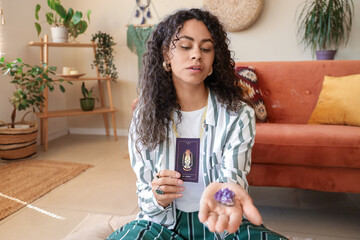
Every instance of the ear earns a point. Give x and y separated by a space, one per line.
165 53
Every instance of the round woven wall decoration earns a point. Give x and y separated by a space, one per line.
235 15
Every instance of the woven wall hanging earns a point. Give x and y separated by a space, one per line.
235 15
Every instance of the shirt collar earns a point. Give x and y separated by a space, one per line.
212 111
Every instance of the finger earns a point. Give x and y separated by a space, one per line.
170 181
234 223
168 173
250 211
211 221
172 189
203 212
221 223
168 196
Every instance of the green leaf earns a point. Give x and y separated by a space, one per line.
68 17
77 17
60 10
50 18
38 28
42 87
51 4
62 88
52 68
37 8
83 26
88 15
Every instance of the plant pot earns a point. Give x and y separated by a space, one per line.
325 54
87 104
18 142
59 34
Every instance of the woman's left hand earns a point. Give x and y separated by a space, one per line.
219 217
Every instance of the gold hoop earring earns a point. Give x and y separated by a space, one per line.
211 71
166 66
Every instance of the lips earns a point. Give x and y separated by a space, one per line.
195 67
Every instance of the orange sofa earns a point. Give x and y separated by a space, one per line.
290 153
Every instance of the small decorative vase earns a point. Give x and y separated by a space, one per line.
325 54
87 104
59 34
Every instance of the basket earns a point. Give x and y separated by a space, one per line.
16 143
235 15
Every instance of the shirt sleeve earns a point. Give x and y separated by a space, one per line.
144 169
236 157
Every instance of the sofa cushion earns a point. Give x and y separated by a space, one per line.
248 82
307 145
290 89
338 101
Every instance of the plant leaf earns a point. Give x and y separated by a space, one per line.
37 9
50 18
77 17
88 15
60 10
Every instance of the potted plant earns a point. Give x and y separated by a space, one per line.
324 25
63 22
88 102
104 55
19 138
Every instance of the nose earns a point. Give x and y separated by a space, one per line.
196 54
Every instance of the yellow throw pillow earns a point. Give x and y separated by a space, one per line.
339 101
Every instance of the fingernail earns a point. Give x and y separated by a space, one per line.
178 175
180 182
182 188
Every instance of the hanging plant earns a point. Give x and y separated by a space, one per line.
104 56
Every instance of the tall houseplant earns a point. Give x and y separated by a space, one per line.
30 82
71 21
104 56
325 24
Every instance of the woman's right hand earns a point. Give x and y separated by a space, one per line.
169 183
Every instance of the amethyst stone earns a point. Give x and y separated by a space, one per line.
225 196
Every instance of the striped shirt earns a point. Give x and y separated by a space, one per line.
225 154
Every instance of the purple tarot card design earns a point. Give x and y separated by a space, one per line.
187 158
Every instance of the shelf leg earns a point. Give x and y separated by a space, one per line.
114 125
102 100
46 134
106 122
42 132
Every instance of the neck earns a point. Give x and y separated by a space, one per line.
193 98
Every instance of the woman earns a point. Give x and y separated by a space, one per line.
191 136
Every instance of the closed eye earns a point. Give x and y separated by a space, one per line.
185 47
205 50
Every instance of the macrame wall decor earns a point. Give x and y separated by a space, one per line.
235 15
138 34
143 10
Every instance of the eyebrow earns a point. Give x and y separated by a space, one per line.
192 39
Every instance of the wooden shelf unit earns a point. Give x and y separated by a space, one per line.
44 45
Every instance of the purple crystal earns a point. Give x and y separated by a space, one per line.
225 196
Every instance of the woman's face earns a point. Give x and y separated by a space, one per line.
192 58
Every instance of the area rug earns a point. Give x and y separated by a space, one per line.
23 182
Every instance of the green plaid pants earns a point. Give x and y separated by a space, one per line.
188 227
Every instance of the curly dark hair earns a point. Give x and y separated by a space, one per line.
157 95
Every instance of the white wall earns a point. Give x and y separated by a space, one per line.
271 38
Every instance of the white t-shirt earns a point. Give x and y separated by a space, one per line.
191 123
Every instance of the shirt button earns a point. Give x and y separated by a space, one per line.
205 174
